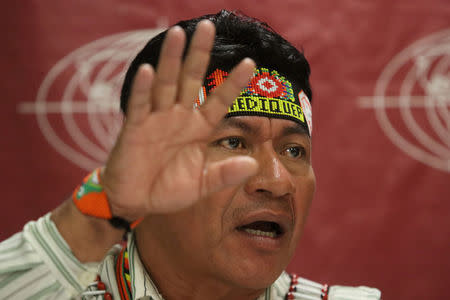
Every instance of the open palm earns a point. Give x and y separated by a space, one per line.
158 163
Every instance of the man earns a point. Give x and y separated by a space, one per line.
221 201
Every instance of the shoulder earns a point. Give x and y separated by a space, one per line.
291 286
37 262
23 271
17 254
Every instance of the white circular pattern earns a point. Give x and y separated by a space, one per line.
424 71
262 85
77 105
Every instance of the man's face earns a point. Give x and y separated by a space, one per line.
245 235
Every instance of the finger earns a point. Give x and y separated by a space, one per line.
220 99
166 79
139 104
232 171
196 63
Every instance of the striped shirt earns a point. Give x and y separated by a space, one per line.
38 264
143 288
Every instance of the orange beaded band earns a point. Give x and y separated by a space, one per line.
90 198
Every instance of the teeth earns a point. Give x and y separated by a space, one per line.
271 234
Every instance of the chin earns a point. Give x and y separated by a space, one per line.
256 274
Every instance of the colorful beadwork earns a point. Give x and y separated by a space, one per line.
90 198
123 274
268 94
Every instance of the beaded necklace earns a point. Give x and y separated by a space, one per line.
299 288
123 274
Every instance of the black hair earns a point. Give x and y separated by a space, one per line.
237 36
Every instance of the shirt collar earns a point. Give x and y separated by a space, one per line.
141 283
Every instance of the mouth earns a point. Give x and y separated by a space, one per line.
267 229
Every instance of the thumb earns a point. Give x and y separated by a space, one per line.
231 171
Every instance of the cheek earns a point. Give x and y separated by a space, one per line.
216 212
303 198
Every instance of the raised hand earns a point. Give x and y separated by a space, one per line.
158 164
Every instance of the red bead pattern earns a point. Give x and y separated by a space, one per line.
107 296
293 288
325 292
101 285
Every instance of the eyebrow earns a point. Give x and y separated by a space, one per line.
248 129
295 129
238 124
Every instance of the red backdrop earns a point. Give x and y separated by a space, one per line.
381 140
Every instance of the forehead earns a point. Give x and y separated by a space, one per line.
255 125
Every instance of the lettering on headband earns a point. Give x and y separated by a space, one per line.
267 106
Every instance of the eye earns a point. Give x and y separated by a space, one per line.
295 151
231 143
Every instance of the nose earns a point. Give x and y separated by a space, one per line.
272 179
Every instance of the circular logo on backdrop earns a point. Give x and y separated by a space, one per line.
412 100
77 105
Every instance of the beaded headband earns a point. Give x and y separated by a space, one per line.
268 94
